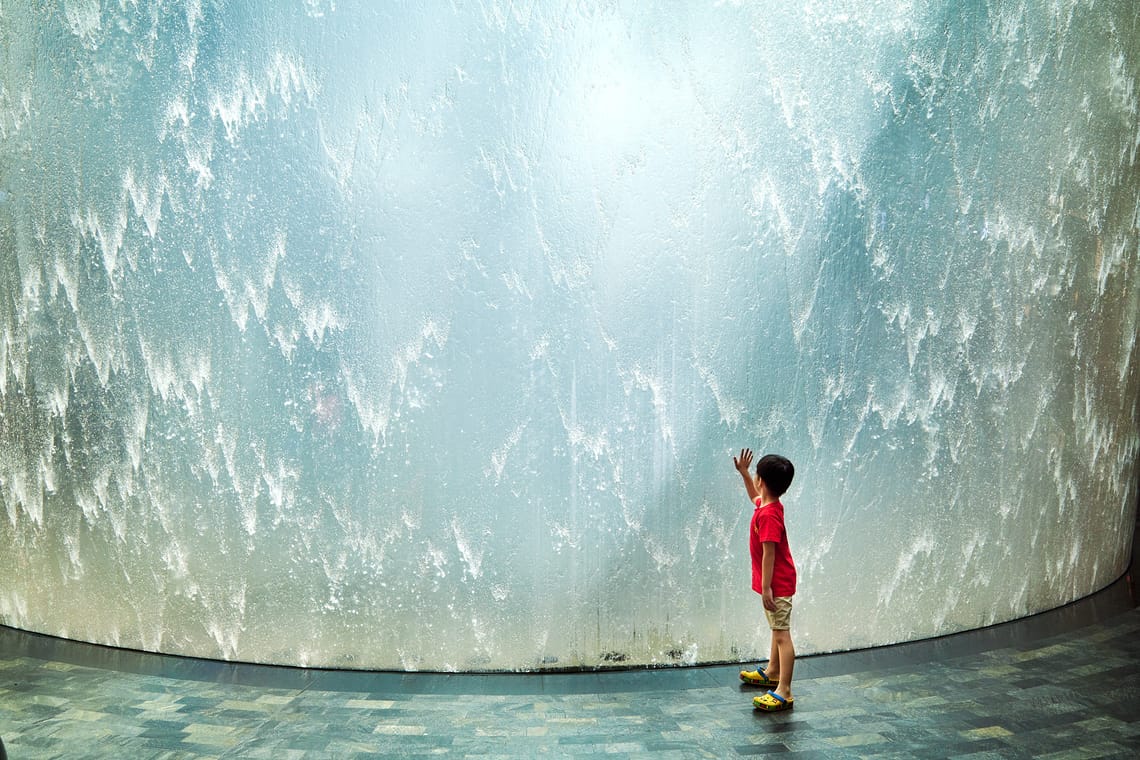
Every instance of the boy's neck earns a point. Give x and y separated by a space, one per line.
766 498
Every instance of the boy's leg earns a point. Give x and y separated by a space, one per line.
785 655
780 621
762 676
773 669
783 652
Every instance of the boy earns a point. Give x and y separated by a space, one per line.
773 574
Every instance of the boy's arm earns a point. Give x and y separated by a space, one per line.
742 465
769 566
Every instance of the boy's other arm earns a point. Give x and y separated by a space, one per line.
769 566
742 465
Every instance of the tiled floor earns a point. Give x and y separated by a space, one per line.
1073 692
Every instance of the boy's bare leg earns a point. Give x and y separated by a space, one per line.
784 653
773 669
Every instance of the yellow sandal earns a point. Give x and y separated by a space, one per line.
757 678
772 702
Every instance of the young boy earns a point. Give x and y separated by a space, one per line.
773 574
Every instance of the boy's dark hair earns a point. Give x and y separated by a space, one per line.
776 472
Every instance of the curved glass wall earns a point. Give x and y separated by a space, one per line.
390 335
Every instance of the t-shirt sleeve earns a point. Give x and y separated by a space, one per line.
769 528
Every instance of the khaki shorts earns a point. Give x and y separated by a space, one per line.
781 619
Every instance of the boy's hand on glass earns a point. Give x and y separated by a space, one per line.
743 462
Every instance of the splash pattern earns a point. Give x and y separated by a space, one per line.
359 335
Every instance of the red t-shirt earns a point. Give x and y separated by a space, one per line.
768 525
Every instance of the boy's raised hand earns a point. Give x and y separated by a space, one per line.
742 464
